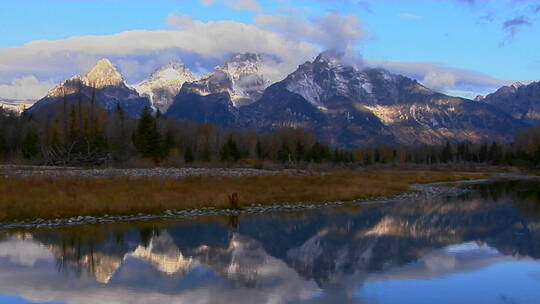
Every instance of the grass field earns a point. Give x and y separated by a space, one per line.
60 197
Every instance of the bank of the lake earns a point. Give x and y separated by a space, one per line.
31 196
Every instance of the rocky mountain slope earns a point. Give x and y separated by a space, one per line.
103 84
348 106
164 84
519 100
217 96
344 105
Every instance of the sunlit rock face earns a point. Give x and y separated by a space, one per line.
217 96
164 84
163 254
103 74
103 85
241 77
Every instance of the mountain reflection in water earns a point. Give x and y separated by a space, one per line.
482 247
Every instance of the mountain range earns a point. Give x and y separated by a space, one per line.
344 105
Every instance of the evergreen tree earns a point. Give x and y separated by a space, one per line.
446 154
495 154
2 145
319 153
299 152
147 138
483 154
188 155
230 151
259 150
284 154
30 144
377 155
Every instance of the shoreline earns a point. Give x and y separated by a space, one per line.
193 192
416 191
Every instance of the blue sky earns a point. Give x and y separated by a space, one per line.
458 46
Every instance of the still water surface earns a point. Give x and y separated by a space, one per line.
481 247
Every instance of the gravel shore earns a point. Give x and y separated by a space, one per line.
419 192
28 171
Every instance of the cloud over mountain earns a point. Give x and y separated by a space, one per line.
23 88
441 77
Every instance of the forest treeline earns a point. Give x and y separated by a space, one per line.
83 133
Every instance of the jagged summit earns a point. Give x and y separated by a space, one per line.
165 83
171 70
103 74
519 100
241 77
517 84
330 57
479 97
111 91
245 57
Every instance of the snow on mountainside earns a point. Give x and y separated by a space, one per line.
16 106
164 84
344 105
348 106
326 78
241 77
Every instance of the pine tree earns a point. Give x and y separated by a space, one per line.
483 154
319 153
30 144
284 154
188 155
299 151
259 150
446 154
230 150
2 145
147 138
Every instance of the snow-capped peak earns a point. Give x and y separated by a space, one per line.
67 86
241 65
479 98
329 57
172 72
327 77
103 74
164 84
517 84
241 77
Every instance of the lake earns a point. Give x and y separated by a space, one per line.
479 247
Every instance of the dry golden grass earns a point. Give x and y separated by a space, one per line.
47 197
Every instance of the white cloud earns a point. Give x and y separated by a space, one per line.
24 88
439 79
290 39
332 31
24 252
444 78
138 52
